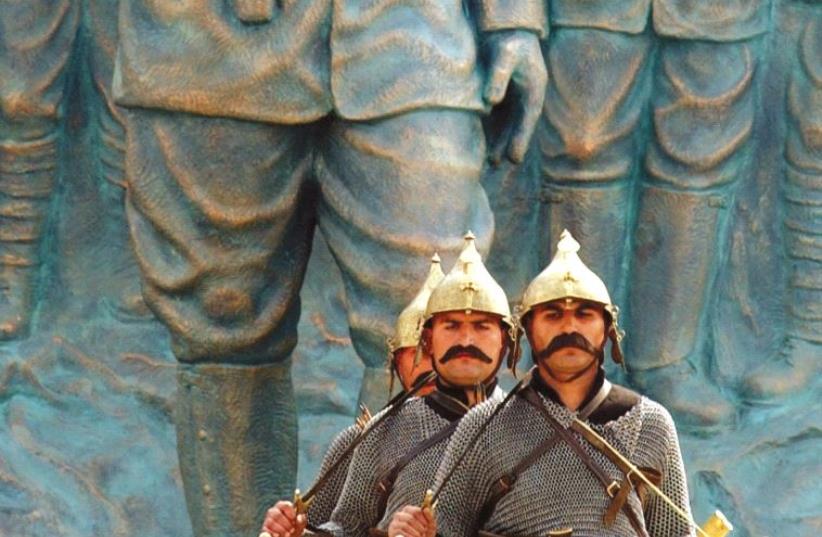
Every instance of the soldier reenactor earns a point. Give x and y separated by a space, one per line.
411 365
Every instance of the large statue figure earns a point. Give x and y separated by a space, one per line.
802 194
251 122
36 42
600 65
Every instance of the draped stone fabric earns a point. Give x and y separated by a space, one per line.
362 60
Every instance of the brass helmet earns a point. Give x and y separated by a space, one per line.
566 276
470 287
408 329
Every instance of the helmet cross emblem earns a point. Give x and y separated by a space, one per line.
470 288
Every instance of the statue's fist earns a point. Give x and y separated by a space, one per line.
282 520
515 63
413 521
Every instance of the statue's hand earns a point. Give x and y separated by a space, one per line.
282 520
412 521
515 60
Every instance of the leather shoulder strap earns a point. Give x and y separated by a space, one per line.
502 486
598 399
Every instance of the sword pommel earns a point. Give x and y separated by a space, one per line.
717 525
428 500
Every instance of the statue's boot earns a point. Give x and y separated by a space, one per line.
796 365
801 354
673 272
27 177
597 216
237 444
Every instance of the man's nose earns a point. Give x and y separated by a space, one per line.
569 323
466 336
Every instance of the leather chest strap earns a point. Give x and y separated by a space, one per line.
611 487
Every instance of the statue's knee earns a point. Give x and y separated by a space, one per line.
24 107
228 304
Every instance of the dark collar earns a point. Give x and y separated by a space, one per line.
618 402
452 403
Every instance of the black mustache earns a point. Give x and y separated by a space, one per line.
574 339
470 350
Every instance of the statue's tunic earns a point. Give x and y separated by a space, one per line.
327 496
558 490
361 59
358 509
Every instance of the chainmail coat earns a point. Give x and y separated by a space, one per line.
326 497
358 508
558 491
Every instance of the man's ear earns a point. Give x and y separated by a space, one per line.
425 340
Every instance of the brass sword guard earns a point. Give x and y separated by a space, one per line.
363 418
300 505
428 501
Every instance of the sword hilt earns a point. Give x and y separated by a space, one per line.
301 505
363 417
428 501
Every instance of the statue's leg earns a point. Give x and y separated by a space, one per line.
109 140
35 47
222 227
703 114
590 142
393 192
802 195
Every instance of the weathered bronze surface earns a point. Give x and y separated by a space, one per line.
680 142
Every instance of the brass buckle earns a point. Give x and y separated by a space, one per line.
612 489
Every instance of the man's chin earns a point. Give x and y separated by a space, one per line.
561 367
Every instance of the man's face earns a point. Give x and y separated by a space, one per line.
467 347
409 373
552 328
